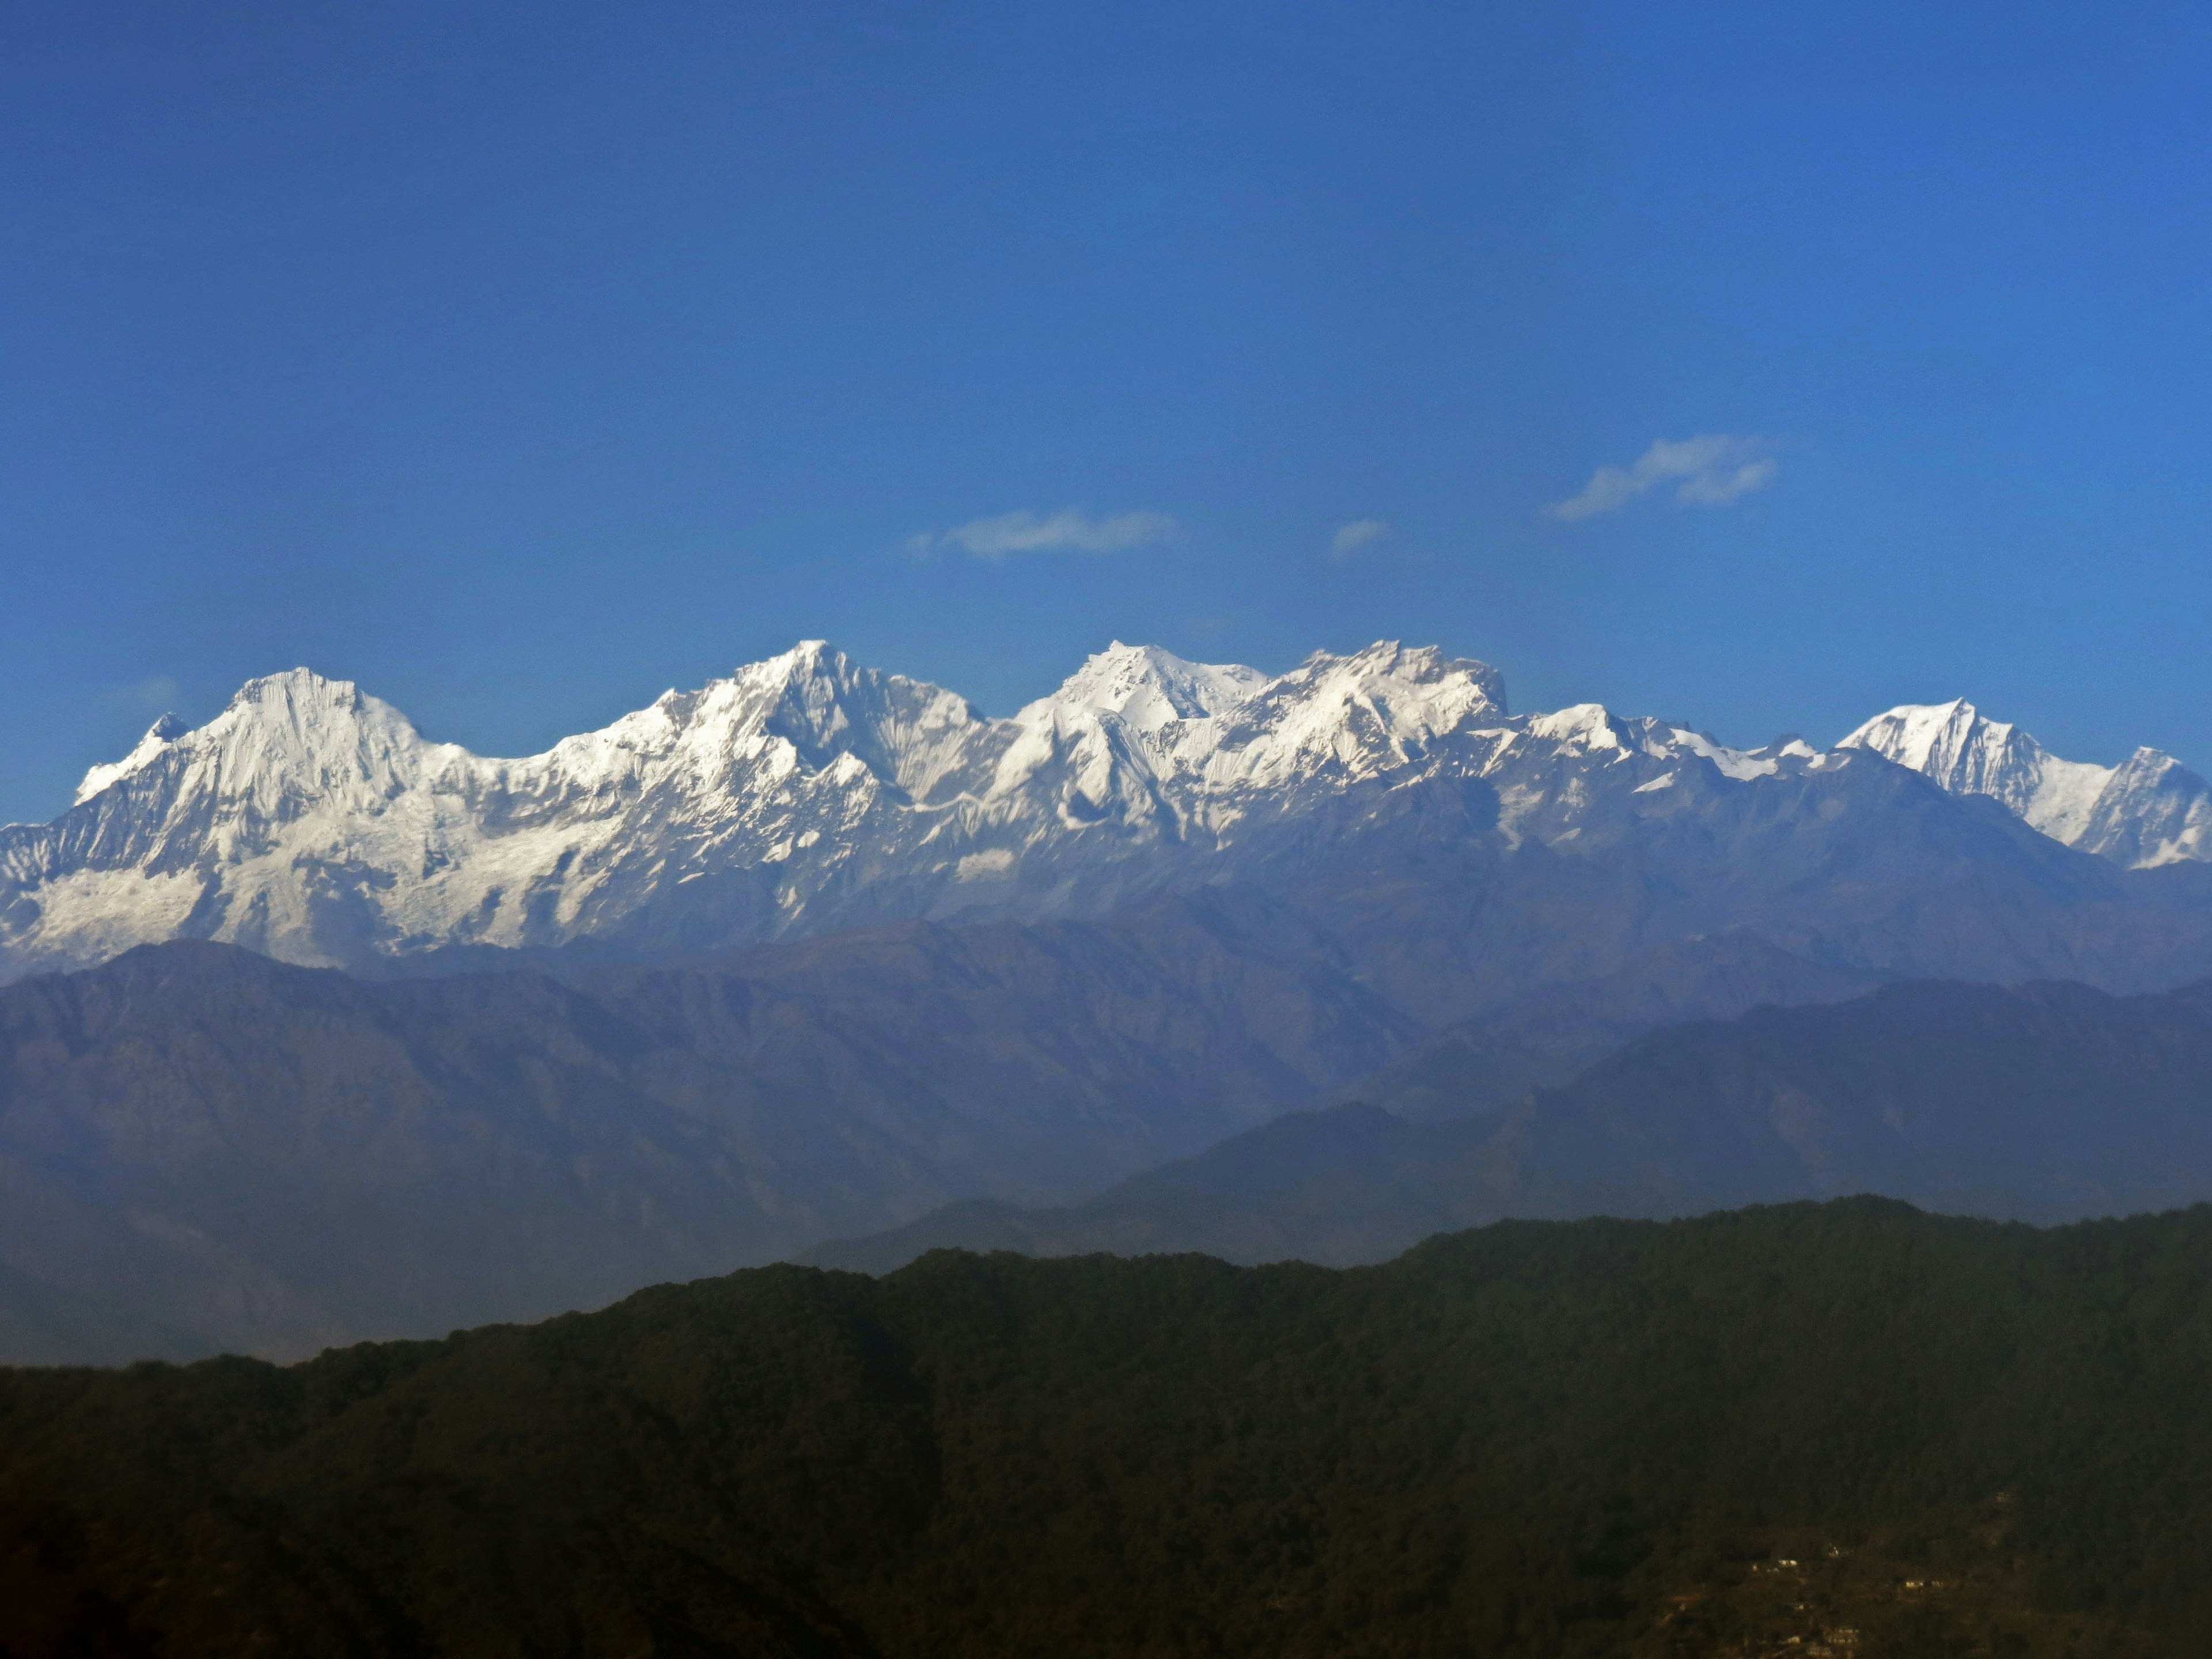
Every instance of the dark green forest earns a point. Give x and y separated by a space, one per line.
1847 1428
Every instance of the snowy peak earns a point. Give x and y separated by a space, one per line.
159 736
295 735
825 705
1584 726
2153 811
1968 754
1360 714
1148 687
1251 743
1388 671
300 712
2150 810
1939 739
808 710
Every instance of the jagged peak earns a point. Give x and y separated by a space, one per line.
302 714
1358 713
806 660
1583 725
829 708
1392 661
1924 735
821 673
1147 687
812 680
1920 715
1957 744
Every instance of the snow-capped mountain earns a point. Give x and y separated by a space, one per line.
2150 810
310 821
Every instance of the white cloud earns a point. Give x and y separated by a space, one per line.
1360 533
1071 530
1710 471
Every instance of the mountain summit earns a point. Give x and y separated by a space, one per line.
1147 687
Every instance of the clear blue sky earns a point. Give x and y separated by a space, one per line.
521 362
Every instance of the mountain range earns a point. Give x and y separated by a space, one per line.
315 1029
804 793
203 1149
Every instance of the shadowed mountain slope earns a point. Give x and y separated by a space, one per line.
202 1148
2045 1101
1551 1033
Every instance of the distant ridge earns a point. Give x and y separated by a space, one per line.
2044 1103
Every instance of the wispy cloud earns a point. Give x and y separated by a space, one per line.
1071 530
1360 533
156 696
1710 471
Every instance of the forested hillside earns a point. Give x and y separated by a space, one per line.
1878 1432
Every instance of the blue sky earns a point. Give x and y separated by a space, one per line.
519 362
